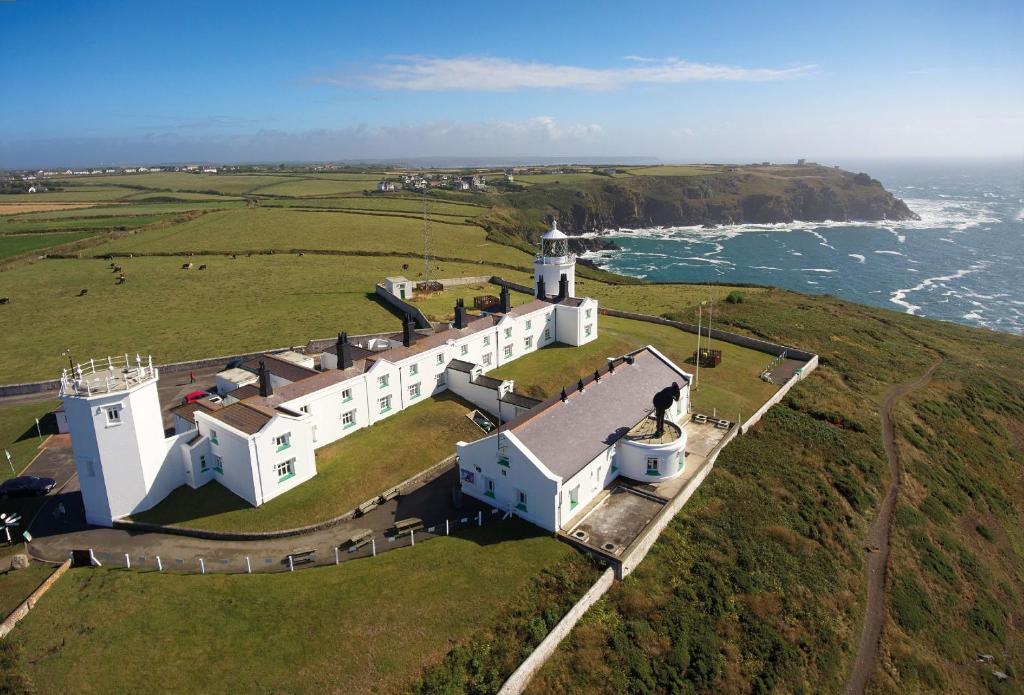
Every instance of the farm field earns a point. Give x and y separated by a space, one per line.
413 206
316 186
71 194
556 178
17 225
378 621
349 472
236 305
16 245
238 231
122 210
688 170
21 208
440 306
232 184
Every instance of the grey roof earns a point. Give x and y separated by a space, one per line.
280 367
567 436
461 366
519 400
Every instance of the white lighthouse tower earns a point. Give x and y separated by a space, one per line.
117 436
554 262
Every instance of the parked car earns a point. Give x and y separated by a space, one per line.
194 396
26 486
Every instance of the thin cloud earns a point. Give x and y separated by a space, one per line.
482 74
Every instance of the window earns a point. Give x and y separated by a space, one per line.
440 358
305 409
508 332
520 500
508 351
414 391
213 436
218 464
487 340
528 342
202 463
682 461
346 395
487 359
489 487
440 379
348 419
285 470
503 461
382 382
414 369
114 415
385 404
465 349
547 334
574 498
283 441
590 312
529 324
652 465
588 329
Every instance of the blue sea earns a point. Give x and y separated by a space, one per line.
962 261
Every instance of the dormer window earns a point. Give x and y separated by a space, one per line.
382 382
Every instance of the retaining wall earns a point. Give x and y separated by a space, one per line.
520 678
472 280
502 282
403 307
28 604
780 394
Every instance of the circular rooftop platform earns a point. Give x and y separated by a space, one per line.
645 432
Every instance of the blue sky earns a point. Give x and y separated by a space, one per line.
108 82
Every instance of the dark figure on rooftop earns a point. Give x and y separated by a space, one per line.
663 400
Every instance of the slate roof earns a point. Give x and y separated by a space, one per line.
187 411
281 368
520 400
244 416
530 307
320 380
461 366
243 392
422 344
567 436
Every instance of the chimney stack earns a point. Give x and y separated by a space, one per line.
344 351
505 304
563 287
408 331
541 289
460 313
266 387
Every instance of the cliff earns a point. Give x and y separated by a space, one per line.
716 195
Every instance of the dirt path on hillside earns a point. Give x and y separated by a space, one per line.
878 542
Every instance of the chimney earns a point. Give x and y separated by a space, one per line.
408 331
344 351
460 313
611 365
506 301
541 289
563 287
266 388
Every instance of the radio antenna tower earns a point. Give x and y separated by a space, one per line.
426 237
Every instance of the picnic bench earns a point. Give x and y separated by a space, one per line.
722 424
699 418
301 557
365 507
388 495
408 525
358 539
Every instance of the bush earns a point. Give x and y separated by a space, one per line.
734 298
911 607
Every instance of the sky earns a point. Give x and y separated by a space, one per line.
89 83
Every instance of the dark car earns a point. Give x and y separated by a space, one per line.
26 485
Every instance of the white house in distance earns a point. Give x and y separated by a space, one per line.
259 442
550 462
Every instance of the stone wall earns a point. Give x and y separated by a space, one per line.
402 307
28 604
780 394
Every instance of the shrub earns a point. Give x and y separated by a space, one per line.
734 298
983 532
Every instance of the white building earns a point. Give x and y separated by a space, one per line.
399 286
260 441
553 263
553 460
385 186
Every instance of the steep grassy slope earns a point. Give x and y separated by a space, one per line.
758 585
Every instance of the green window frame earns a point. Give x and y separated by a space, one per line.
284 441
218 464
503 461
653 470
346 395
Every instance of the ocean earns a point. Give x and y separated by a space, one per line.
962 261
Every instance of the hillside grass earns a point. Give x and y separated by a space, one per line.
364 626
349 472
687 170
12 246
18 433
382 203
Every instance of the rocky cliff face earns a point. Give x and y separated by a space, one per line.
739 195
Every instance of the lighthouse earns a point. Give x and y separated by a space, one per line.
553 263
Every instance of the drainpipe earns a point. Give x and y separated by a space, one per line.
259 472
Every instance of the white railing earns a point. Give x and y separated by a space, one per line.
106 376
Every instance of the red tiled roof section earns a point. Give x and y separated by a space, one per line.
476 324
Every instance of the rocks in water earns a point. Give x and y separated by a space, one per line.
580 245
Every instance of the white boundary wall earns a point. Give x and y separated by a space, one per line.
520 678
780 394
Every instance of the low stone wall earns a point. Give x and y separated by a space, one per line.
716 334
28 604
780 394
520 678
639 548
143 527
402 306
472 280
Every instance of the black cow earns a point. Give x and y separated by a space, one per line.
663 400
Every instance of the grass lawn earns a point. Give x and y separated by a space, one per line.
18 433
237 305
349 472
734 386
656 300
364 626
277 228
11 246
16 585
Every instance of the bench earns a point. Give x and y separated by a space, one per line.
408 525
722 424
700 419
388 495
359 539
365 507
301 557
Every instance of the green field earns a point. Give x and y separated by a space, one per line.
349 472
123 210
655 300
238 231
232 184
17 226
18 433
69 194
689 170
382 203
556 178
16 245
317 186
365 626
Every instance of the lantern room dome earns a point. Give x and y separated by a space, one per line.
554 232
